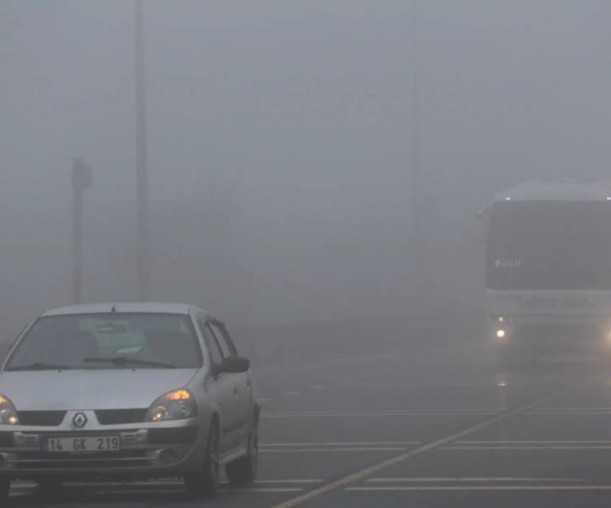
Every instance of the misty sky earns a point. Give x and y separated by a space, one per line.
279 143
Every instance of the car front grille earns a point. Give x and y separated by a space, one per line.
120 416
33 460
41 418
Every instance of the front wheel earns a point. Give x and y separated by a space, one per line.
205 483
244 469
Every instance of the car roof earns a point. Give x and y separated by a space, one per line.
130 307
559 190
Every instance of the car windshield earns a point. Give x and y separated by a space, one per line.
108 341
550 245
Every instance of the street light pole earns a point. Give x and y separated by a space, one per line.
81 180
421 220
143 234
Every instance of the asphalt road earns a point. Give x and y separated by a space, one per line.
439 429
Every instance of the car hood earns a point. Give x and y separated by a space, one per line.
90 389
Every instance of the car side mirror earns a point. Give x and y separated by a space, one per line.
233 365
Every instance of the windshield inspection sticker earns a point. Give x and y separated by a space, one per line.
507 263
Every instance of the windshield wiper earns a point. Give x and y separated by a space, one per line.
122 361
40 366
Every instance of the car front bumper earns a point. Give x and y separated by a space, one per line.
150 450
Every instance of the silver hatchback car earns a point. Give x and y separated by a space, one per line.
127 390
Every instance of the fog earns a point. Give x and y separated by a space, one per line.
279 135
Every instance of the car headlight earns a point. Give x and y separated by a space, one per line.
8 414
175 405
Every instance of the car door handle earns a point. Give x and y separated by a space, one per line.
235 391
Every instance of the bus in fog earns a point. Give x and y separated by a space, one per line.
548 270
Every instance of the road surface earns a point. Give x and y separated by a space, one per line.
441 429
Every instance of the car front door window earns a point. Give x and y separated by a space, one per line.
242 380
224 386
226 350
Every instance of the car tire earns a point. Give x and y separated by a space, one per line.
244 469
205 483
5 490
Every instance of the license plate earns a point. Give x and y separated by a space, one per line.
82 444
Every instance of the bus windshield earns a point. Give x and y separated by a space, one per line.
547 245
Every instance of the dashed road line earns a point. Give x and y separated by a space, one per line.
395 488
364 473
381 413
532 442
469 479
341 443
317 388
528 447
284 485
573 411
265 489
334 450
289 481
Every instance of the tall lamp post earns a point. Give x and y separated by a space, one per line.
143 234
82 178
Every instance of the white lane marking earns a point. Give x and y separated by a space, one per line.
152 483
289 481
264 400
342 443
147 492
490 384
571 412
391 488
318 388
531 447
569 409
467 479
376 414
265 489
533 442
128 487
361 474
103 489
332 450
156 483
115 486
290 393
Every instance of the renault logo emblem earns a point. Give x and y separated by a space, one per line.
79 420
